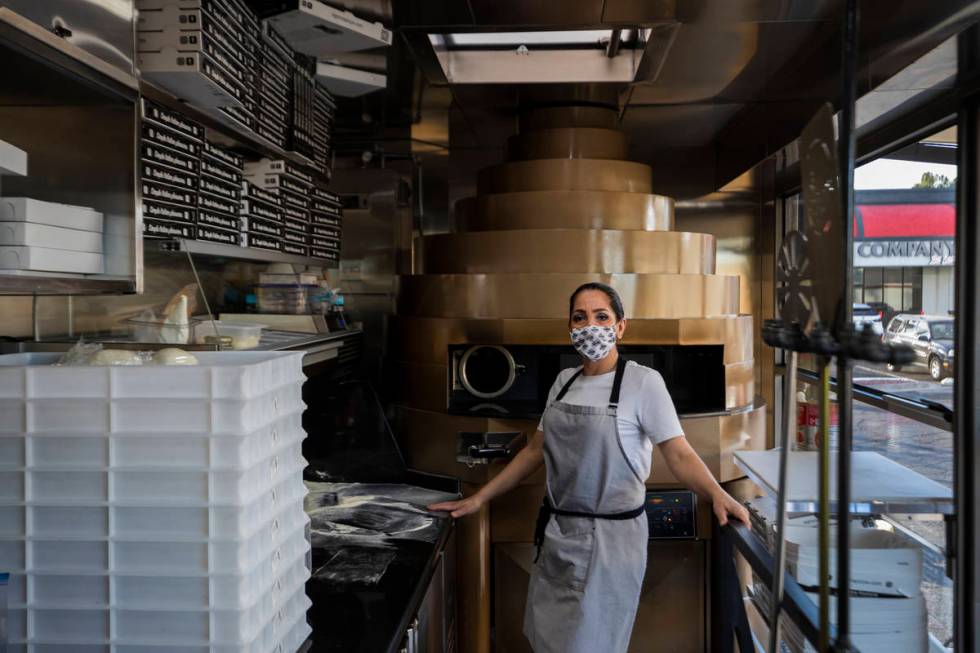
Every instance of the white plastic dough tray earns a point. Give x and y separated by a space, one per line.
154 506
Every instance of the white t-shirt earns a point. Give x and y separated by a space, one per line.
646 412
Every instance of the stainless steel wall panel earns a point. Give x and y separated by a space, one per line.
104 28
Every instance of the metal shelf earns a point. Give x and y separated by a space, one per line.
239 136
37 284
879 485
48 73
219 250
796 605
23 34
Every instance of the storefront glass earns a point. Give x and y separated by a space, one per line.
904 229
905 239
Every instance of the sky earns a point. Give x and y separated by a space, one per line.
892 173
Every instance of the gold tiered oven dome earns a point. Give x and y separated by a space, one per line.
564 209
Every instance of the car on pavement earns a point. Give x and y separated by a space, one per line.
930 336
864 314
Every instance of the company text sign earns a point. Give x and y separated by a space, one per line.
913 252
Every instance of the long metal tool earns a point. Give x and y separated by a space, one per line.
847 147
823 534
785 446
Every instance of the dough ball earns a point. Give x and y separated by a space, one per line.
174 356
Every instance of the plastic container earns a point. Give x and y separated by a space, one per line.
160 332
288 299
269 624
168 451
154 508
236 335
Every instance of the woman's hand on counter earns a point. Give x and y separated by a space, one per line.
459 508
725 506
525 463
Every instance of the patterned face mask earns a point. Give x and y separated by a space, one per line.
593 342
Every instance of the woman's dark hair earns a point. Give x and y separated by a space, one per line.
614 300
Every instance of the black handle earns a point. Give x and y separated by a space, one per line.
489 452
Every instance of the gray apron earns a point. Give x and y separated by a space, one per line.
585 584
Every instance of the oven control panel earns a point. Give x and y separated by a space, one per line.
671 514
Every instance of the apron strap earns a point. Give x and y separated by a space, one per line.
547 510
568 385
617 382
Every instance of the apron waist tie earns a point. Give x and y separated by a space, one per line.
547 510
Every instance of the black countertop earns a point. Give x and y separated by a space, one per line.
355 617
375 547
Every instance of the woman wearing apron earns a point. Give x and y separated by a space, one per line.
596 440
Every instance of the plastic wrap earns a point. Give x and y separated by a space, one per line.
391 511
80 353
361 525
356 565
93 354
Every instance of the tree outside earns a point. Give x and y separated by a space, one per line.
933 180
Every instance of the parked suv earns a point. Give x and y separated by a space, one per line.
864 314
931 336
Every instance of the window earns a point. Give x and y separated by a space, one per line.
904 440
942 330
889 289
904 226
905 242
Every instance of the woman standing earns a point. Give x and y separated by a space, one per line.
596 440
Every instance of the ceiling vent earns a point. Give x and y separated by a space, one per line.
559 56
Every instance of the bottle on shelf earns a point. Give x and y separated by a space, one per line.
336 319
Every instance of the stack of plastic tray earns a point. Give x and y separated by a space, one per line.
154 508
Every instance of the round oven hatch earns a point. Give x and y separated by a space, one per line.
487 371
